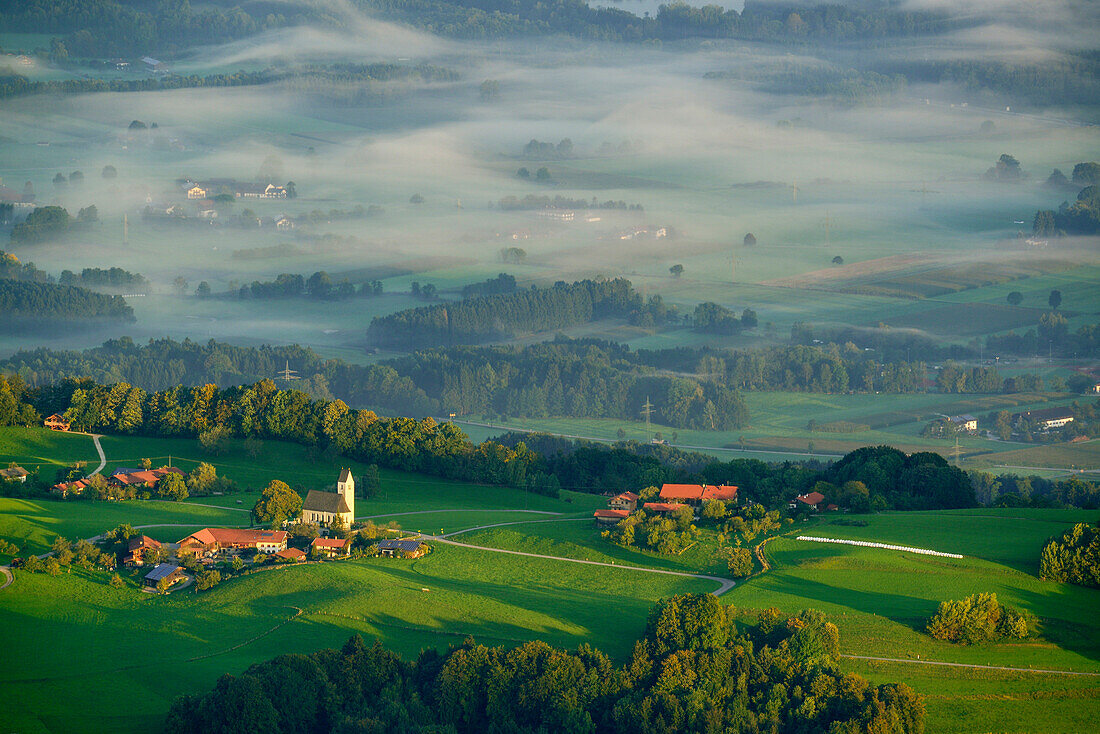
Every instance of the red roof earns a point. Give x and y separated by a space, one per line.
617 514
831 508
812 498
681 491
333 543
143 541
208 536
628 496
291 553
724 492
663 506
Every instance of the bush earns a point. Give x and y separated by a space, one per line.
739 560
207 580
976 619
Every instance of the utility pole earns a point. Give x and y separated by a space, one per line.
125 230
287 374
794 192
647 410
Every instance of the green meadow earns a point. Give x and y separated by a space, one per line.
80 640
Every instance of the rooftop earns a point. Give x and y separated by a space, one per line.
402 545
161 570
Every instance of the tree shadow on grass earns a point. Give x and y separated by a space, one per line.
909 611
1068 617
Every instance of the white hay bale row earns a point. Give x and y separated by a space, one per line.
886 546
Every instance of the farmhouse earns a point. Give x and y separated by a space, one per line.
211 541
163 571
965 422
14 474
260 191
695 494
291 554
401 548
144 477
626 501
663 508
66 488
323 507
609 517
558 215
136 549
1046 419
284 223
152 64
56 423
331 547
811 499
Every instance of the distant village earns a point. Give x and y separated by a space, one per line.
208 201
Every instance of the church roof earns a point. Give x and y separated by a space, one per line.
325 502
345 475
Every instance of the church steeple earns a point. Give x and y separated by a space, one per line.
345 487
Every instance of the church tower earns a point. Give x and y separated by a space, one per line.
345 487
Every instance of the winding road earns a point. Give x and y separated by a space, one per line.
102 456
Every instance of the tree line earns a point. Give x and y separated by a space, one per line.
320 78
694 669
504 316
27 306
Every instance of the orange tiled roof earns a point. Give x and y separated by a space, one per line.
620 514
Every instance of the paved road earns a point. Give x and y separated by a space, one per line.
102 456
966 665
724 585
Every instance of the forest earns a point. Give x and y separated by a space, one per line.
504 316
695 669
27 306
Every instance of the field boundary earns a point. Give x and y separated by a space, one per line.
968 665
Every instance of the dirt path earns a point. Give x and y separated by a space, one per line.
966 665
514 522
464 509
8 577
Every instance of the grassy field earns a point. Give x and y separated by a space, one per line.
158 647
148 645
39 448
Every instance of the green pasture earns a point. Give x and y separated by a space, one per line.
580 539
80 640
34 524
45 450
882 599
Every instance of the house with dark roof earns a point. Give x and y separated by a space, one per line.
323 507
965 422
401 548
15 474
163 571
1046 419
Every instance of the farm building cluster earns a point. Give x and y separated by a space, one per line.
672 497
146 478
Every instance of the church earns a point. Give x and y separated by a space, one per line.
323 507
